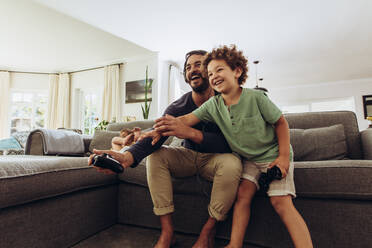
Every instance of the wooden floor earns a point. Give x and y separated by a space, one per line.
125 236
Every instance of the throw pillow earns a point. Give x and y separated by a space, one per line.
102 140
315 144
21 137
14 152
9 143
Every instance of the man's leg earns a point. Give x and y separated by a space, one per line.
225 172
161 166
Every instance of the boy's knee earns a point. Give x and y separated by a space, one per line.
281 203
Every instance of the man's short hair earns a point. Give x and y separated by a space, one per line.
187 56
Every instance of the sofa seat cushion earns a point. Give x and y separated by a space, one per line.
187 185
28 178
338 179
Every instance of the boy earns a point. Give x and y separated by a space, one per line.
127 137
256 129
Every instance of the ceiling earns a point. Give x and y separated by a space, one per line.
297 42
35 38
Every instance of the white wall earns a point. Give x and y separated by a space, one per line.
136 70
333 90
29 81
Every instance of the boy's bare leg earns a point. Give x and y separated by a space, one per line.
292 219
206 237
242 212
166 238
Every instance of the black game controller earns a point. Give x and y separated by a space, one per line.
107 162
266 178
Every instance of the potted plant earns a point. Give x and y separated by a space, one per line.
148 87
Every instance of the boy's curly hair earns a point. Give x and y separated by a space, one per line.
232 57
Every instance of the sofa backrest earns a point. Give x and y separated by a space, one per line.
120 125
329 118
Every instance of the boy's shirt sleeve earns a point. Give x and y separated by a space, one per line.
203 113
270 112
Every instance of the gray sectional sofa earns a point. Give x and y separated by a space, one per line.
53 201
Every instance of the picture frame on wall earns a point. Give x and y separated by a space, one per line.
135 92
367 105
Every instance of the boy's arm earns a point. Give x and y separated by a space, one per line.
282 132
180 127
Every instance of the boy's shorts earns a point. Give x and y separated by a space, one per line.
285 186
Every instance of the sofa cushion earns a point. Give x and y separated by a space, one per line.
337 179
28 178
328 118
340 179
102 139
314 144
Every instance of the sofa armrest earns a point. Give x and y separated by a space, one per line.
87 139
367 143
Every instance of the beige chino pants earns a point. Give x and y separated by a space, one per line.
223 169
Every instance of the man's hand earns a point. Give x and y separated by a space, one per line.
137 133
283 164
125 159
152 134
171 126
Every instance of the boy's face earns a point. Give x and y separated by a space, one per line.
221 77
194 75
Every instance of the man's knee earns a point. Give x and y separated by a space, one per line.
229 165
155 161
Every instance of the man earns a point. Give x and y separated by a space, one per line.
205 152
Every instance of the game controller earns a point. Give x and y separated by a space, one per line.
266 178
107 162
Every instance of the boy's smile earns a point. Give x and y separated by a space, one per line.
221 77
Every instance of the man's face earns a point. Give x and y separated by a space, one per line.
194 75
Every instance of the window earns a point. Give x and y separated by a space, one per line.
91 105
28 110
320 105
296 108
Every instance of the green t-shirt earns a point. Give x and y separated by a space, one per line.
247 126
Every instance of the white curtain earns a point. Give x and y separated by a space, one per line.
52 102
64 95
59 101
111 100
172 85
4 104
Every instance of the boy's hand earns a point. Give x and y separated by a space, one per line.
171 126
282 162
152 134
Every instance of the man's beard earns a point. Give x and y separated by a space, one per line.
202 87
